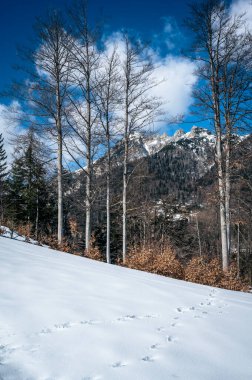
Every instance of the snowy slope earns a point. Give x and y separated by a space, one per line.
65 317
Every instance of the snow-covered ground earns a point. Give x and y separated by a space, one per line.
65 317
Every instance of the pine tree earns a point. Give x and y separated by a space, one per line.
3 158
3 174
28 197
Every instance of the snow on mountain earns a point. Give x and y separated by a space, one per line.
199 140
68 318
143 145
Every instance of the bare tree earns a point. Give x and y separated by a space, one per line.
53 60
220 48
108 102
83 119
139 107
43 94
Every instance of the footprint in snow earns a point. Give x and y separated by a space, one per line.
46 331
65 325
127 318
155 346
147 359
170 338
150 316
160 329
118 365
90 322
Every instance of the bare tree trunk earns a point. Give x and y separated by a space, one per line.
108 204
37 215
88 213
108 220
1 203
89 161
227 196
238 249
60 192
198 233
223 225
125 179
88 205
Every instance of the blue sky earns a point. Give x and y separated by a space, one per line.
160 22
18 16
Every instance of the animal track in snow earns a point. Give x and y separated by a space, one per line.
148 359
45 331
170 338
155 346
130 317
118 364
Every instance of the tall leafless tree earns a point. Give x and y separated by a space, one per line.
83 119
221 49
139 107
108 102
43 95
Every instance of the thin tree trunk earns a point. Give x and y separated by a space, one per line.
60 191
1 202
88 207
108 205
125 178
88 154
223 225
88 190
238 249
59 158
219 159
198 233
37 215
227 197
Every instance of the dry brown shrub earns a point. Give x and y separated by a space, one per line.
24 230
151 260
2 231
141 259
203 271
168 265
52 242
65 246
231 281
93 252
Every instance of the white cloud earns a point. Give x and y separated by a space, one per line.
239 7
175 76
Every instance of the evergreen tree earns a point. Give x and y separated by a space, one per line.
28 196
